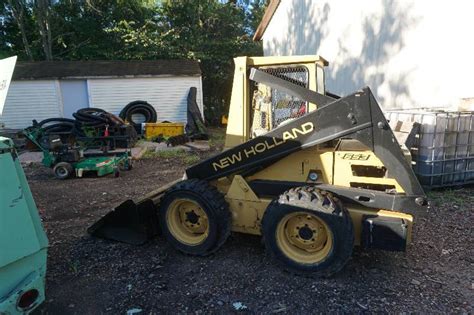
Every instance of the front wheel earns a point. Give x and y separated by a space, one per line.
195 218
309 232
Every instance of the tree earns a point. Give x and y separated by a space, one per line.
211 31
18 8
42 13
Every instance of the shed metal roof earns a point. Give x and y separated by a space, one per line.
104 69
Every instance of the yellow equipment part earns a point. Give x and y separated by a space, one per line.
314 173
238 127
189 231
247 209
304 251
153 130
224 120
347 163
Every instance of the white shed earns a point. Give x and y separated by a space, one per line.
411 53
41 90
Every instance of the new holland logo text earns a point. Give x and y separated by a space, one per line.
261 147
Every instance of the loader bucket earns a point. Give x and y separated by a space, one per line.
130 222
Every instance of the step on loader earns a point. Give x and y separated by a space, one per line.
315 174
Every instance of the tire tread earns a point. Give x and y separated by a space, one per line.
311 198
217 202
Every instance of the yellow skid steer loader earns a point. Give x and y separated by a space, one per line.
313 173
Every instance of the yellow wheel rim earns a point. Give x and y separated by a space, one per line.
304 238
187 222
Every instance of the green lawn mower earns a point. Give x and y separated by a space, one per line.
68 160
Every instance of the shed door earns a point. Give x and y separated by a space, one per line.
74 95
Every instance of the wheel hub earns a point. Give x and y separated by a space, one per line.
305 233
304 237
187 221
192 217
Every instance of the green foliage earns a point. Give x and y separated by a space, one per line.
186 157
165 154
74 266
210 31
216 138
191 159
454 197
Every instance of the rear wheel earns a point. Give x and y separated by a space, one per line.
195 217
309 232
63 170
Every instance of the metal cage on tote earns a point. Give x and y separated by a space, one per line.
443 152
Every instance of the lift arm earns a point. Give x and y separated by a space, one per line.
357 116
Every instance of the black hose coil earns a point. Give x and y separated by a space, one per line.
139 107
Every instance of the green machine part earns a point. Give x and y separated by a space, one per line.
33 134
103 165
23 242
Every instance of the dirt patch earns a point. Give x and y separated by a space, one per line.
87 275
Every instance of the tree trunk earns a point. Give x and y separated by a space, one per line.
42 13
18 9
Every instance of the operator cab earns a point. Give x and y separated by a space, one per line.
256 109
272 107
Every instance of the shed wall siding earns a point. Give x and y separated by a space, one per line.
168 95
411 53
28 100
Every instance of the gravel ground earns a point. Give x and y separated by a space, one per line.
87 275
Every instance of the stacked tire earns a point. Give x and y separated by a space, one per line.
141 108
